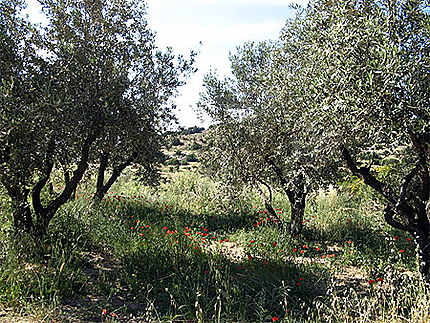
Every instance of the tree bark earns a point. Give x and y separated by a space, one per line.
22 217
411 204
296 197
267 200
297 201
103 188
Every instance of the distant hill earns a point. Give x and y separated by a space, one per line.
183 151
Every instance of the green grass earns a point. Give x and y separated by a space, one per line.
165 255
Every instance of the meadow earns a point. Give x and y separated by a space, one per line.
186 251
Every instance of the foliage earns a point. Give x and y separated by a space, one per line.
365 78
191 158
258 140
172 161
177 142
99 93
196 146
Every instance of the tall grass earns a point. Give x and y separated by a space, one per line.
164 255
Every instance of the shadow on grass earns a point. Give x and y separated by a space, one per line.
377 245
183 281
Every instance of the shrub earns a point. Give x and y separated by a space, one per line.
172 161
196 146
191 158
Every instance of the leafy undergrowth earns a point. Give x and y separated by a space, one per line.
170 256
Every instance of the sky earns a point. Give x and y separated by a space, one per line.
214 28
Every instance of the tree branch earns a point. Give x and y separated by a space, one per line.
369 179
388 216
37 189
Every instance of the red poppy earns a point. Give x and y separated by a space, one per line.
104 311
401 251
349 242
396 238
371 282
295 250
274 244
379 279
298 283
275 318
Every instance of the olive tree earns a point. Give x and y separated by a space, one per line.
369 95
260 135
90 87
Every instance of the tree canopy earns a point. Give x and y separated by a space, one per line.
90 87
348 81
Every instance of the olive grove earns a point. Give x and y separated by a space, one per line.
348 81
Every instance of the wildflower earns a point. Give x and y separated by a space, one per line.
305 247
371 282
349 242
379 279
396 237
300 278
250 257
317 249
226 240
298 283
131 228
302 251
295 250
113 315
164 228
274 244
252 241
275 318
401 251
104 311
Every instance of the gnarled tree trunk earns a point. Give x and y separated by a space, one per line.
411 204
